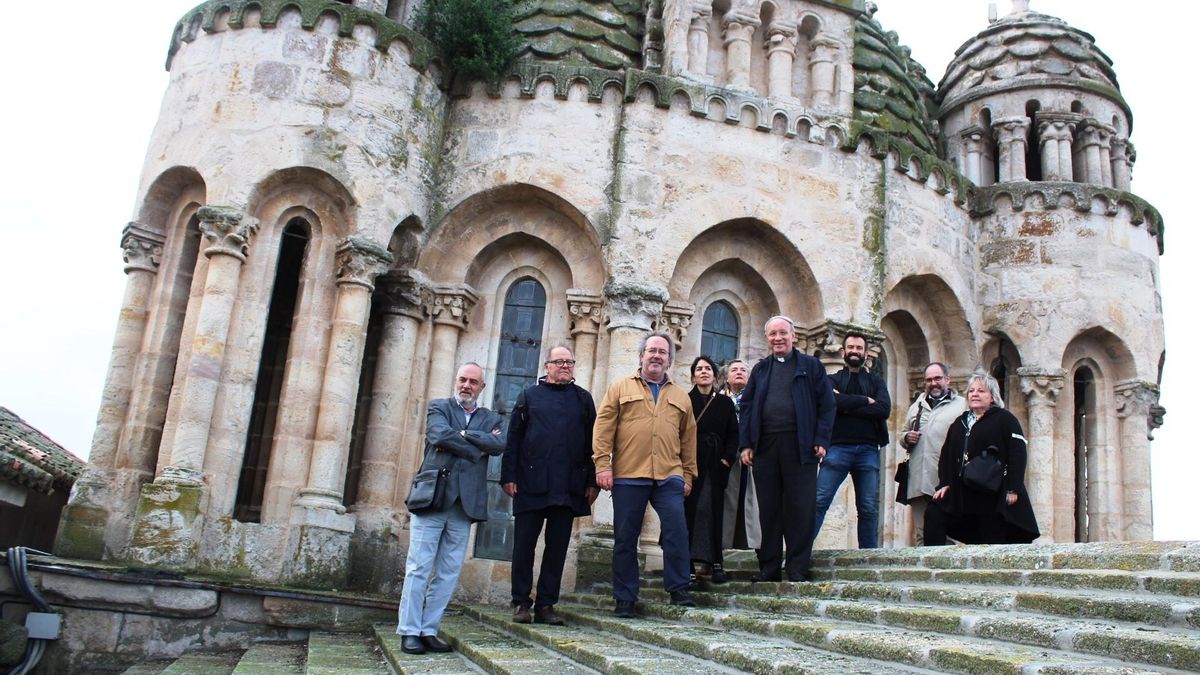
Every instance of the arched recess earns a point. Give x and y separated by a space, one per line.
1000 358
746 292
936 308
1088 437
905 353
168 210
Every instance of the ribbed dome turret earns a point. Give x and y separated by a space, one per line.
600 33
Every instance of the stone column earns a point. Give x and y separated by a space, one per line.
168 522
1011 133
738 31
585 311
675 319
1122 163
1138 413
1041 387
450 307
1094 138
698 39
1055 133
375 559
781 54
822 64
81 533
972 144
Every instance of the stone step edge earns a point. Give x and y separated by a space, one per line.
699 652
263 657
1129 556
1174 584
955 655
1163 649
355 646
537 655
412 664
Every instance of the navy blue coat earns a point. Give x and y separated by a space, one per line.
812 397
451 441
549 450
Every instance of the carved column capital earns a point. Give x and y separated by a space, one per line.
632 304
403 292
359 261
1093 132
141 248
586 309
1140 398
701 12
1057 126
972 137
452 305
675 319
781 38
824 48
738 27
1009 129
227 230
1041 385
827 338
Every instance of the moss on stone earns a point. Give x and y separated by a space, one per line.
1026 631
1170 651
967 660
1138 611
920 618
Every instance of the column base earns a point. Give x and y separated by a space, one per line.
168 525
84 520
376 558
318 547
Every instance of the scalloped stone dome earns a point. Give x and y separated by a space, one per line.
600 33
891 90
1027 49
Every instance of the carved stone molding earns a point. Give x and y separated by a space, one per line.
675 319
1056 126
1041 386
1094 132
586 309
825 340
359 261
141 248
227 230
404 292
633 304
1136 398
452 305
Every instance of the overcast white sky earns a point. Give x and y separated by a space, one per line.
81 101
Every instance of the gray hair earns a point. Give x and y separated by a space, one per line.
779 317
989 382
559 346
661 334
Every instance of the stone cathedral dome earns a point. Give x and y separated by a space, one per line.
601 33
1027 49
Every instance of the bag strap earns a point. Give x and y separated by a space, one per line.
711 397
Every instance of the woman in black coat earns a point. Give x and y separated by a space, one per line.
716 448
971 514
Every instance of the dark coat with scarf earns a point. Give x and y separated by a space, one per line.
856 405
997 428
812 400
549 450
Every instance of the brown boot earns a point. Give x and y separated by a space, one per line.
546 614
521 614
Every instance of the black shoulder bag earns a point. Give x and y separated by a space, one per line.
983 472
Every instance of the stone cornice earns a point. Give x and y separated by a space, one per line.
204 18
1083 195
1044 82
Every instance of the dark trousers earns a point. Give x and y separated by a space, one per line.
971 528
526 530
629 509
787 502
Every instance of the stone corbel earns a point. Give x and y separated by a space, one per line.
675 319
141 248
403 292
586 309
227 230
359 261
633 304
452 305
1041 385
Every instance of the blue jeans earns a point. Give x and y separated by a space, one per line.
862 463
629 509
437 545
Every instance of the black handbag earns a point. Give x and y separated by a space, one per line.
901 479
428 492
984 472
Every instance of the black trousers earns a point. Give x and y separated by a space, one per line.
971 528
526 530
787 504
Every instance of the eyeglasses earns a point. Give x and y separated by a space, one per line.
562 363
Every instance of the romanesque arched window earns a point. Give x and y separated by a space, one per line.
285 295
720 331
1085 427
517 366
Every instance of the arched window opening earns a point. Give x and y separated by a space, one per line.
1085 424
720 332
1000 371
517 366
285 294
1077 107
1033 146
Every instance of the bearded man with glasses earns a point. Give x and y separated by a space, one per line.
548 471
925 427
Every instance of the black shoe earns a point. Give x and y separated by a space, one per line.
521 614
797 578
412 644
693 582
546 614
436 644
762 576
682 598
719 575
625 610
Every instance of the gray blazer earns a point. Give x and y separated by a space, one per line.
449 436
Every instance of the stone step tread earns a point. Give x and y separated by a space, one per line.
1164 647
147 667
203 664
273 659
599 651
1180 584
497 651
344 654
908 648
412 664
1145 555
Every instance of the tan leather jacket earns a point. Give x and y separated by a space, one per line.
637 437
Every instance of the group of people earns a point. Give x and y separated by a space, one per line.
753 465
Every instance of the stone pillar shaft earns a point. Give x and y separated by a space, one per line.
1041 387
781 53
822 68
738 32
1056 133
1135 402
972 140
585 311
1010 140
450 308
698 40
1121 164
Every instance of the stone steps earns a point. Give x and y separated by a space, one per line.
273 659
344 654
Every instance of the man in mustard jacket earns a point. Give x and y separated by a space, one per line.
645 452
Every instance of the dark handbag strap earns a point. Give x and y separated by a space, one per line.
711 397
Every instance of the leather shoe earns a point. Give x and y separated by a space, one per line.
625 610
412 644
546 614
762 576
521 614
803 576
719 575
682 598
436 644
